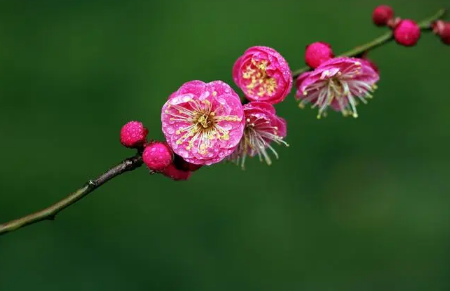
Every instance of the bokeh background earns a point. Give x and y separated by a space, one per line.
351 205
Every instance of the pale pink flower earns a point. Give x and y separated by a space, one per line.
338 83
263 75
203 122
262 127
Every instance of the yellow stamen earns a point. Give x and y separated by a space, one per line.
259 80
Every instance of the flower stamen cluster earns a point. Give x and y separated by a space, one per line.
203 124
257 82
263 75
338 83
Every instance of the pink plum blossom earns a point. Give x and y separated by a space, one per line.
338 83
263 75
203 122
262 127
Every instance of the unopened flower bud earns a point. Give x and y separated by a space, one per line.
133 134
407 32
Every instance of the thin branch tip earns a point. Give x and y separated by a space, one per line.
51 212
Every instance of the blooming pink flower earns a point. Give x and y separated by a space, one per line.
203 122
338 83
369 62
262 127
133 134
263 75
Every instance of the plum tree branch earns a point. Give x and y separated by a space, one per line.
50 212
425 25
135 162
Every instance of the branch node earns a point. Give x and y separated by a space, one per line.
92 183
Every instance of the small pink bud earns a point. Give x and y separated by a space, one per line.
318 53
407 32
133 134
157 156
175 174
442 29
445 35
382 14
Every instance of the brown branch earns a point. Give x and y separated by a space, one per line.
50 213
425 25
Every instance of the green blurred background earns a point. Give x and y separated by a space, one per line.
351 205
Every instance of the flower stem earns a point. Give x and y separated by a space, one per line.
50 212
425 25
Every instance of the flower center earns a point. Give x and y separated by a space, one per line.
337 89
203 124
258 82
205 121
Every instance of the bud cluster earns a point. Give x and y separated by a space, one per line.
406 31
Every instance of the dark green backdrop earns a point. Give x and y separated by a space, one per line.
351 205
